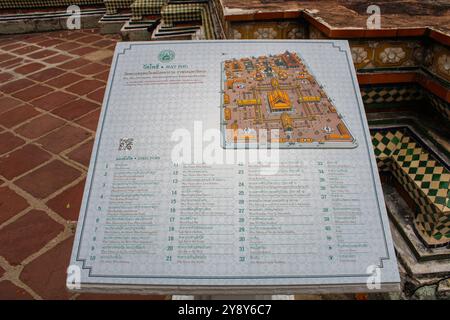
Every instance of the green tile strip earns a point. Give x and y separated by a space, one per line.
424 177
141 8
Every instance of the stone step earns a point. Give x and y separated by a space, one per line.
43 15
138 31
113 23
175 33
47 21
141 24
116 17
187 30
144 21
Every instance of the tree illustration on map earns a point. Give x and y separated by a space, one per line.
278 98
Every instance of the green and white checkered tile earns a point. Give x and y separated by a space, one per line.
429 221
113 5
440 105
22 4
429 175
181 13
145 7
385 142
390 94
424 178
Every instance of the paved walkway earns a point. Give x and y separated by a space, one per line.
51 89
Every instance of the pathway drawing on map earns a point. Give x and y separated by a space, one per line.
276 99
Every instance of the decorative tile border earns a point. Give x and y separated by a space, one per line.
390 94
282 29
437 60
386 54
327 31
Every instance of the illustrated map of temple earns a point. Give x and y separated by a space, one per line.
277 99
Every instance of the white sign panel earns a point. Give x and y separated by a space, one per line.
233 165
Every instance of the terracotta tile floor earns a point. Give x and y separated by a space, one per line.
51 89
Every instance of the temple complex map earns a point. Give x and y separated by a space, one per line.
168 209
276 98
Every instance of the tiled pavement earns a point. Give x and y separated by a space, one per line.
51 89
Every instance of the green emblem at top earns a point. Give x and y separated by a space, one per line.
166 56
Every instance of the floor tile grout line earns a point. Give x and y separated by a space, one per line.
27 288
12 181
51 47
46 112
26 121
67 122
60 237
49 112
18 215
32 199
12 274
45 83
62 190
67 232
63 155
34 140
57 51
55 89
39 204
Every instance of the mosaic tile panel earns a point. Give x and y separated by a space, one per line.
371 54
286 29
437 60
314 33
